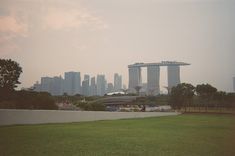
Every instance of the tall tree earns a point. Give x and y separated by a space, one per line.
219 99
9 74
206 92
182 95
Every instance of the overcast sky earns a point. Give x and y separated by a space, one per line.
49 37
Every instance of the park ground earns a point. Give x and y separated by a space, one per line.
182 135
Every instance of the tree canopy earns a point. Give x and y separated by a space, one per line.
181 95
205 90
9 74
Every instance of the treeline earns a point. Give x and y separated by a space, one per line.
204 96
27 100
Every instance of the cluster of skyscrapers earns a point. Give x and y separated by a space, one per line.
72 84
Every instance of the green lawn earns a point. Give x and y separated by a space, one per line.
183 135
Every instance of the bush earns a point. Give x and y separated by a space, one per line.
92 106
29 100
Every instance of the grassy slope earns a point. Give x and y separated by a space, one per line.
176 135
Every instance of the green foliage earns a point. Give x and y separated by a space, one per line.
92 106
205 91
181 95
29 100
9 74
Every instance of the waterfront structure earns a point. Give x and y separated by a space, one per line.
72 83
101 85
153 75
117 82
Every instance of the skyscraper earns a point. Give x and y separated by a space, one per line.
93 87
173 75
54 85
117 82
100 85
134 78
153 77
110 88
72 83
85 85
46 84
57 85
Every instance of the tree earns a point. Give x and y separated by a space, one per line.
9 74
182 95
206 92
219 98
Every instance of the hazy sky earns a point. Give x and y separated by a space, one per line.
49 37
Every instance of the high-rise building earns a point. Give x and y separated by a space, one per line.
54 85
57 85
46 84
173 75
110 88
117 82
101 82
72 83
134 78
153 70
93 87
153 77
85 85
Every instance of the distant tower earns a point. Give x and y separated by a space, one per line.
117 82
72 83
134 78
46 84
110 88
153 79
85 85
101 85
57 85
93 87
173 75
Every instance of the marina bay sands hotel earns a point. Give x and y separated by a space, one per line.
153 75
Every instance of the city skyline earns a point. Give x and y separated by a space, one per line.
73 84
103 37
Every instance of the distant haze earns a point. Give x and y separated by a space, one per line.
50 37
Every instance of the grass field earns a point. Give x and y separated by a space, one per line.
183 135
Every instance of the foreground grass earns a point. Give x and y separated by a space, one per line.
189 135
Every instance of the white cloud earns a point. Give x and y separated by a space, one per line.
9 24
10 29
58 18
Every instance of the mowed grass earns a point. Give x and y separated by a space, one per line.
183 135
